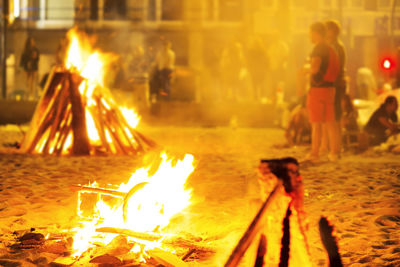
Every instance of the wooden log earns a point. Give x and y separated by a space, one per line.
149 236
188 254
116 118
148 141
59 111
97 190
174 241
285 242
110 126
100 124
124 124
45 122
166 259
261 251
64 131
255 227
81 144
330 243
179 241
48 92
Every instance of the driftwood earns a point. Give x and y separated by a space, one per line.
255 227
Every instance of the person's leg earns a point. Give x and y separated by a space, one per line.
333 140
324 140
168 77
34 84
29 80
332 125
316 136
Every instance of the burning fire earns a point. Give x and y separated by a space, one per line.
101 112
146 204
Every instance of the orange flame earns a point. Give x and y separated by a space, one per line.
161 196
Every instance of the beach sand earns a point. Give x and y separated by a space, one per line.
360 194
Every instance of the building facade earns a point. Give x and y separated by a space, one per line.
200 29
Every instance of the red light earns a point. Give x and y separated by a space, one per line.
387 64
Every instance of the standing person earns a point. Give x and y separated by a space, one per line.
324 70
278 55
232 70
257 62
30 62
165 62
383 122
332 36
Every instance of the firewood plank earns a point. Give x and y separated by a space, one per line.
81 144
254 228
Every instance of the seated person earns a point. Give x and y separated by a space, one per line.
299 125
383 122
348 122
349 115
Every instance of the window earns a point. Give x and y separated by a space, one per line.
384 3
327 3
230 10
94 9
271 3
114 9
371 5
210 8
152 10
172 10
300 3
357 3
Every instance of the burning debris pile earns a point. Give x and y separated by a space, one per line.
127 225
77 114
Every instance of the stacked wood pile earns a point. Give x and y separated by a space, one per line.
60 124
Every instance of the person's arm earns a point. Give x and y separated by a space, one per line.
315 65
391 126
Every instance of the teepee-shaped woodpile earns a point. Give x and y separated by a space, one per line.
77 115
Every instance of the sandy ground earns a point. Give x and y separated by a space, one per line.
360 194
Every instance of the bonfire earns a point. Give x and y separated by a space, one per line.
77 114
131 218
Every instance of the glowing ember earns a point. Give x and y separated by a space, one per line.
150 201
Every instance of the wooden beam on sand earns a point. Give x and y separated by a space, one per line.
97 190
255 227
166 259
